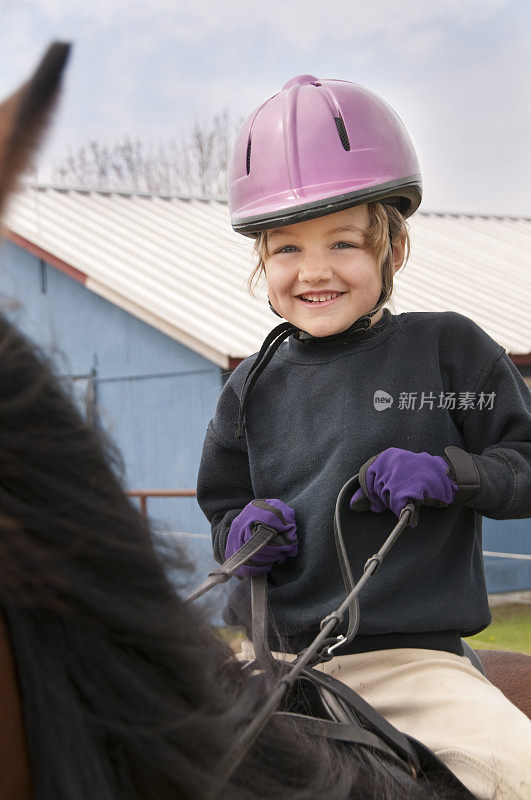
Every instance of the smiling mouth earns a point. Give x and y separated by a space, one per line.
318 299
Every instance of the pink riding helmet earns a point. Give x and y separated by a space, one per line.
318 147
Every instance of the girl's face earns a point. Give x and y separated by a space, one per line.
318 275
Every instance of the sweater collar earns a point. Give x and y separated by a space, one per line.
302 344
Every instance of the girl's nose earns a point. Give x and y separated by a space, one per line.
314 269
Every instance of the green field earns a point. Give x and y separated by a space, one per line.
510 630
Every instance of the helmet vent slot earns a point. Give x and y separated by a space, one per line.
343 135
248 157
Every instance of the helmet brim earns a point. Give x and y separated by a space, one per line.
405 194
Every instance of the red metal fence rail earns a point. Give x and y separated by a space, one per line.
143 495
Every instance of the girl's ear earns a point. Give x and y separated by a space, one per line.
399 251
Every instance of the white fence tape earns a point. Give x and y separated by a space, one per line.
520 556
185 535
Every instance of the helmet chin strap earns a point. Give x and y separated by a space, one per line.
273 309
362 323
271 344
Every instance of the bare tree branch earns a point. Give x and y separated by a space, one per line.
196 165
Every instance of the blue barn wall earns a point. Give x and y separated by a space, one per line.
510 536
155 397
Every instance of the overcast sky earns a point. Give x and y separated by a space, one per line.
456 71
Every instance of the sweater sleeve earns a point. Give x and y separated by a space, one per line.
224 481
497 433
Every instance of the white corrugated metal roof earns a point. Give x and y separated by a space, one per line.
175 263
478 266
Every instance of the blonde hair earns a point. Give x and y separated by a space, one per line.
386 224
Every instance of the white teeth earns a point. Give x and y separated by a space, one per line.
319 298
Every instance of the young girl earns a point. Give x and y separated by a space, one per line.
426 406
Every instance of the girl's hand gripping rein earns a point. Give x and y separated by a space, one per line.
275 514
395 477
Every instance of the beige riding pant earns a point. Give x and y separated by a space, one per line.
443 701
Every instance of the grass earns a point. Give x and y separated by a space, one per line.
510 630
231 636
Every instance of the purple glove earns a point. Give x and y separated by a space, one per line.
275 514
395 477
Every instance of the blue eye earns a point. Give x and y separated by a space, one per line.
344 245
288 248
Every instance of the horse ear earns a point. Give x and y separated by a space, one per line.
25 114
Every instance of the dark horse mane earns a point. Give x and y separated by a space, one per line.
110 686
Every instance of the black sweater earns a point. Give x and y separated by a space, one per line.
316 414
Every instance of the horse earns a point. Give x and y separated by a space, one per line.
511 673
111 686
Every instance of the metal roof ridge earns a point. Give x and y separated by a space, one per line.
40 187
471 215
221 199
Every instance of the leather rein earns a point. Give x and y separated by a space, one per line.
351 719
